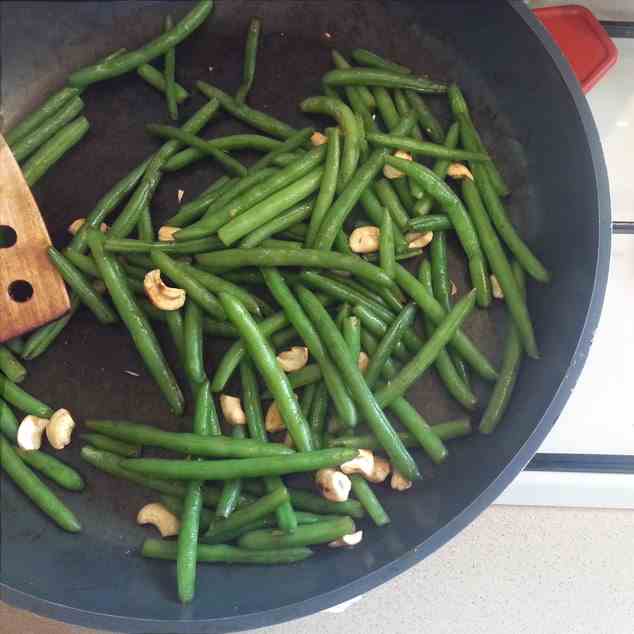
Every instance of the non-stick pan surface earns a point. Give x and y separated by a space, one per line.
538 126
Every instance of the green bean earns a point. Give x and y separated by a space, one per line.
195 290
285 515
351 134
16 396
206 421
145 227
106 204
444 431
131 247
167 132
392 297
424 148
127 219
505 228
360 98
250 59
472 139
118 447
272 243
249 514
307 501
156 79
221 553
356 384
386 107
310 258
40 340
271 208
232 489
320 533
8 422
383 78
53 150
10 366
53 469
308 396
317 415
241 468
372 60
83 289
456 385
136 322
426 117
511 361
387 196
328 186
193 343
181 442
113 465
298 318
388 343
254 118
370 344
460 219
129 61
28 144
352 336
193 210
276 380
38 117
387 252
404 109
368 499
284 337
379 328
221 212
35 489
426 356
297 140
347 199
169 70
438 222
225 143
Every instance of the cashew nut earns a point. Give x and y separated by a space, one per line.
391 172
417 240
156 514
30 432
347 540
365 239
380 472
161 295
294 359
399 482
458 171
166 233
454 289
232 411
76 225
334 485
363 361
363 464
60 429
273 420
496 289
318 138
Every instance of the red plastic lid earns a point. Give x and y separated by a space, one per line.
582 40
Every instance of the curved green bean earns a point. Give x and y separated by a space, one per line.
53 469
16 396
250 59
383 78
368 58
351 134
276 380
129 61
36 490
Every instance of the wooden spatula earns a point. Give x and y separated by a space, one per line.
32 292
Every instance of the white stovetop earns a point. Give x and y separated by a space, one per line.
598 417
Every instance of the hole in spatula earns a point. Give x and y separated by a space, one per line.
20 291
8 237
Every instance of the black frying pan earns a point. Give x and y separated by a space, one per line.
533 117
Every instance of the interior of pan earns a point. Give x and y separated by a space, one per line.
528 119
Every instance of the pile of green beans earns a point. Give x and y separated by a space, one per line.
280 225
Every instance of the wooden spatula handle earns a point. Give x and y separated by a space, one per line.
31 291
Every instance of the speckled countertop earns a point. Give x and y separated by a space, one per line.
513 571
